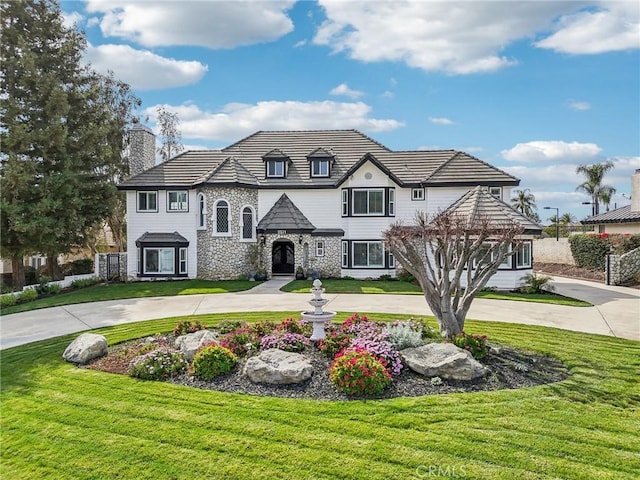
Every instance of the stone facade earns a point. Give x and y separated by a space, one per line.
100 265
328 266
622 268
142 149
223 258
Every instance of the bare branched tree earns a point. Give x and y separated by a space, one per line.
171 138
448 249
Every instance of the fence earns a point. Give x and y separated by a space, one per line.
111 266
622 268
548 250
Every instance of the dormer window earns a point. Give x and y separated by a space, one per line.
320 167
275 164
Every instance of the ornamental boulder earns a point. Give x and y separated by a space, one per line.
190 343
277 367
443 360
85 348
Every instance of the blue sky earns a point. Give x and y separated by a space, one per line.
534 88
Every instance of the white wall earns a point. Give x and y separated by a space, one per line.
322 207
548 250
440 198
161 222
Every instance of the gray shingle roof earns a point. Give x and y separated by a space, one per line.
348 147
161 238
230 171
284 215
479 203
619 215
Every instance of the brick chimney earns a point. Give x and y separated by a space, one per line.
635 191
142 149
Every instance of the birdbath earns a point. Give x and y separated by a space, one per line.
318 317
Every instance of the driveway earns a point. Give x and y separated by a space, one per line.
616 310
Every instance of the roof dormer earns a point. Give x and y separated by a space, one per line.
320 162
275 164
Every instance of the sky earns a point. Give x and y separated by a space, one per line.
534 88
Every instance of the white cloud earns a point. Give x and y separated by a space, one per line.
70 20
457 38
142 69
441 121
300 43
343 89
581 106
237 120
552 151
388 94
614 26
207 24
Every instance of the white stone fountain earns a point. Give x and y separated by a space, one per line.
318 317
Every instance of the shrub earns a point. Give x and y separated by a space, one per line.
27 295
386 278
212 361
404 334
626 243
292 325
590 251
227 326
188 326
262 328
240 341
334 342
85 282
289 342
30 275
78 267
362 327
384 351
405 276
533 283
357 371
8 300
476 344
158 365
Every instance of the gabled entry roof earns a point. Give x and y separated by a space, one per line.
284 215
161 239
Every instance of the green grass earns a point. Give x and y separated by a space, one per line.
405 288
115 291
61 422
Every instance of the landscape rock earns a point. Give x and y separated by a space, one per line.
277 367
189 343
443 360
85 348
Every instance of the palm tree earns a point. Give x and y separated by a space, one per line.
593 185
566 219
525 203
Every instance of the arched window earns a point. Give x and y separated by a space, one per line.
202 212
247 227
222 226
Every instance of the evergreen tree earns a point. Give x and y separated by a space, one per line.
62 129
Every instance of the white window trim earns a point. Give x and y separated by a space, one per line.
186 209
253 224
186 261
368 190
201 214
318 162
417 194
345 203
392 202
498 190
214 230
146 192
392 261
274 162
345 254
505 265
320 248
368 243
145 250
517 255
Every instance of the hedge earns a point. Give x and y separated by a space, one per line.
591 250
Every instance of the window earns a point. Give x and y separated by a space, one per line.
275 168
320 167
223 219
248 231
320 248
392 261
345 254
159 260
368 202
368 254
202 212
392 202
147 201
492 250
496 192
182 267
177 201
345 203
523 256
417 194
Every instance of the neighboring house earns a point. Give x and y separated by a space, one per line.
621 220
316 199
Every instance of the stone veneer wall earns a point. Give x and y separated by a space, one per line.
622 268
224 258
100 265
329 265
142 149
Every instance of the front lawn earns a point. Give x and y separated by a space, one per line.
115 291
405 288
61 422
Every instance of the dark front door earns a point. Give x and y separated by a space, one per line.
283 257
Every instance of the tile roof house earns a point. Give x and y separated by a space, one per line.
320 200
621 220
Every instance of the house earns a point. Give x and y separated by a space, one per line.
625 220
320 200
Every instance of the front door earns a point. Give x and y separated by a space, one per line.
282 257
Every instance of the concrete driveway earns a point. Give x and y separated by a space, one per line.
616 310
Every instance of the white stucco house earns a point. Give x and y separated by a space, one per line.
319 200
